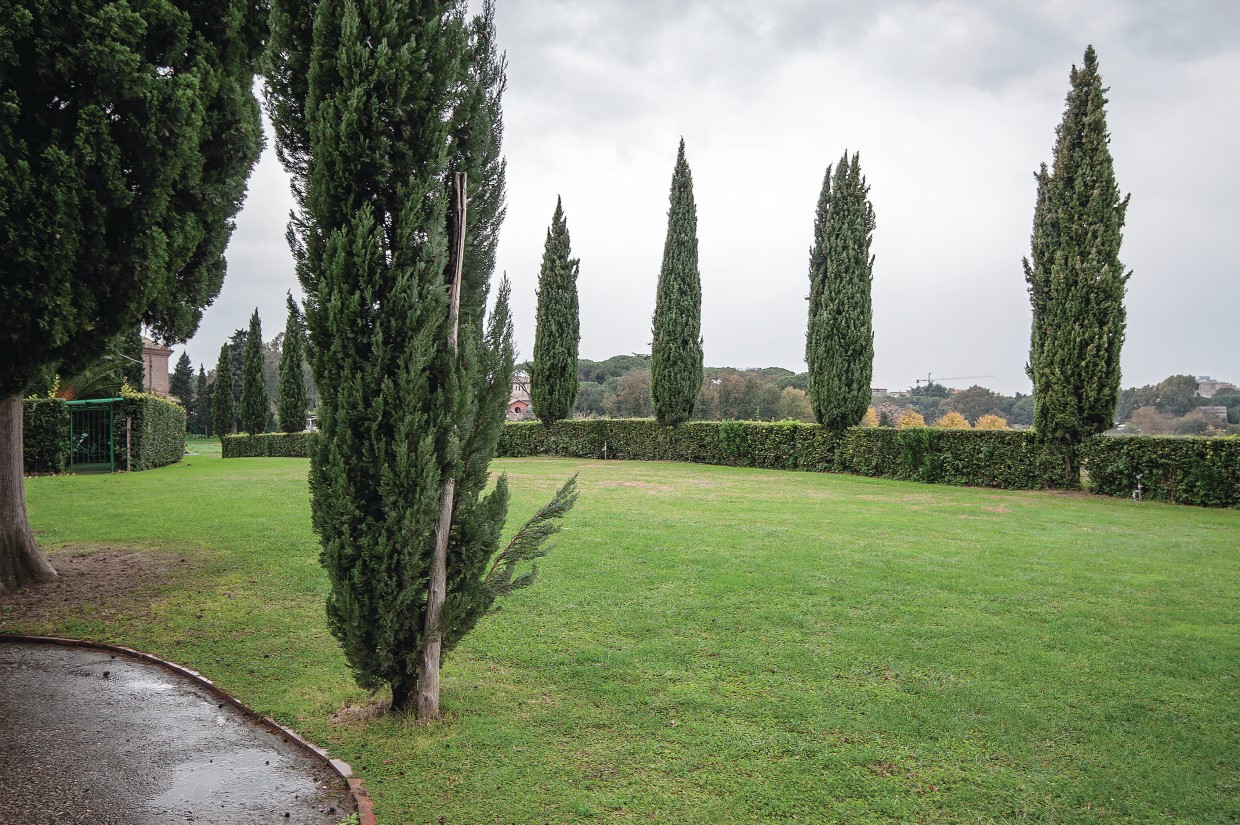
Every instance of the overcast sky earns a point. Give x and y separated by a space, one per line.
952 106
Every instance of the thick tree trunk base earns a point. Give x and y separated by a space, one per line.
21 562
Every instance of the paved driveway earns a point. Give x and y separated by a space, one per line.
92 737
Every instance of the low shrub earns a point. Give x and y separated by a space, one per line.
267 445
1201 471
45 435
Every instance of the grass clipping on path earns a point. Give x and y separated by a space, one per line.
713 645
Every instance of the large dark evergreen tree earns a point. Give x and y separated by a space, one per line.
291 403
557 331
181 384
676 365
1076 280
255 405
223 407
127 132
839 346
403 417
202 407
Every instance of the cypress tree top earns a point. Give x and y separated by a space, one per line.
676 349
255 405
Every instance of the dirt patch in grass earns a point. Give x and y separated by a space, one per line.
112 580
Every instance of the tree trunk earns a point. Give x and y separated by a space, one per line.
432 650
21 563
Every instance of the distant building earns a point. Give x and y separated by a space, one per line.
519 398
155 367
1216 414
879 391
1208 387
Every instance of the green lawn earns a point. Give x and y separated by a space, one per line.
715 645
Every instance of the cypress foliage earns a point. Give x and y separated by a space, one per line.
365 139
202 408
255 405
291 404
223 407
676 354
1076 281
181 384
553 375
839 344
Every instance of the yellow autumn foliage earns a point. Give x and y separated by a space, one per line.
871 418
953 421
911 420
991 422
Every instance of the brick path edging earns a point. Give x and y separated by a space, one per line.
355 785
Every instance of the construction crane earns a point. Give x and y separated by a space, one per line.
928 380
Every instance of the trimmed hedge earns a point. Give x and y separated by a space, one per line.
992 458
267 445
156 431
45 435
1201 471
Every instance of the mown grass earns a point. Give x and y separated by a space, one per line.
712 645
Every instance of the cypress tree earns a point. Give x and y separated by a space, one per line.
365 139
223 407
557 331
676 354
839 344
127 132
181 384
1076 281
202 409
255 405
291 403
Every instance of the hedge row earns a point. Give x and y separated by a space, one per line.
1201 471
269 445
45 435
991 458
155 435
156 431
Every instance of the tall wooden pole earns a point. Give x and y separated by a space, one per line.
432 651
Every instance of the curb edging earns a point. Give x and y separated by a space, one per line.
355 785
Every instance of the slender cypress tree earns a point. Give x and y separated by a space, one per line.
202 409
255 406
223 407
557 331
676 354
365 139
127 132
291 403
1076 281
839 345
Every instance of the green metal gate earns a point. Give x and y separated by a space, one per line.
92 436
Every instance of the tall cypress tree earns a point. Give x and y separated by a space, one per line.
255 405
223 407
202 408
676 354
557 331
181 384
1076 281
365 139
839 343
291 403
127 132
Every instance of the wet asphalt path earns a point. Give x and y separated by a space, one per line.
97 738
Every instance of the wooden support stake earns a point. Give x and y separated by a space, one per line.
428 668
